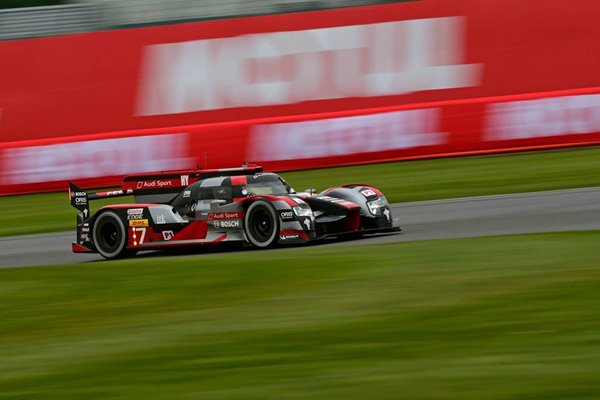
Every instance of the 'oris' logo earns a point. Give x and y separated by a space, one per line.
287 215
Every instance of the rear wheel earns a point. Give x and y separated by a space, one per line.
262 224
110 236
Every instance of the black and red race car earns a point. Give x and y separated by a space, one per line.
202 207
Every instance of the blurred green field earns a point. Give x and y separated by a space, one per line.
401 181
513 317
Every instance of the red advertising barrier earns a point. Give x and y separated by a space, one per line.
294 64
456 127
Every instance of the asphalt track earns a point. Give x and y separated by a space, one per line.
553 211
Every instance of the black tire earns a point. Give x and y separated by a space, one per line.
261 224
110 236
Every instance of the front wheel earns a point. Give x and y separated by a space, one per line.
110 236
262 224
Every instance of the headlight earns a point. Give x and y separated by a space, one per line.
302 210
376 206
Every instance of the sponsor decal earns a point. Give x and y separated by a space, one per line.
185 180
94 158
155 184
168 235
187 193
138 222
139 234
235 223
284 237
160 219
286 215
275 68
387 214
81 200
135 213
307 223
368 193
225 215
222 224
334 137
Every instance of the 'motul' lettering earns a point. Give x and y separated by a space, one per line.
288 67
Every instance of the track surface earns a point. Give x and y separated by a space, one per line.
554 211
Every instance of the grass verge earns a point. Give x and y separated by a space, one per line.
401 181
510 317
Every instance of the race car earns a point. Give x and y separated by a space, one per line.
204 207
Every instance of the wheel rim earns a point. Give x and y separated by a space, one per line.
261 225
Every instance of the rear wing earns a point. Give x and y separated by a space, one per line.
80 199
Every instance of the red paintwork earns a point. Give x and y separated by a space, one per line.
194 230
239 180
353 220
77 248
219 239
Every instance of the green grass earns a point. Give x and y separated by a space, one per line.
512 317
402 181
465 176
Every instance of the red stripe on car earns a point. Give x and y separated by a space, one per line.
239 180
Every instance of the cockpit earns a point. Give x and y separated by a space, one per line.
230 188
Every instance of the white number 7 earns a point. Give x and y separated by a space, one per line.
142 232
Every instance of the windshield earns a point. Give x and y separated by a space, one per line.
276 188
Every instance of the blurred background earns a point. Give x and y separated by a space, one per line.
425 99
289 84
23 19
